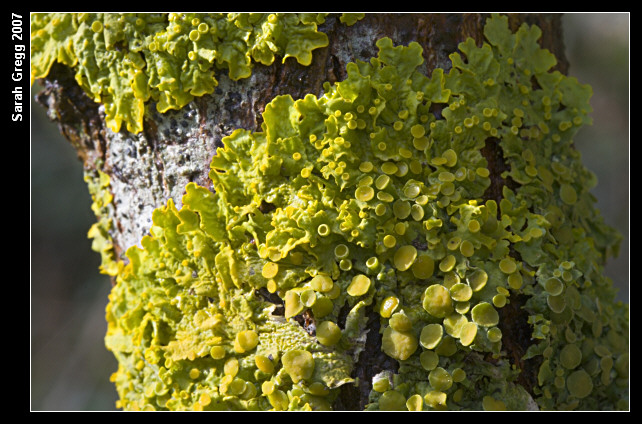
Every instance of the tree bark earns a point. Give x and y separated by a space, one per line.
176 147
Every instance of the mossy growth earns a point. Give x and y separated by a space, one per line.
378 192
125 60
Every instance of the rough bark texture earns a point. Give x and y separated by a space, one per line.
176 147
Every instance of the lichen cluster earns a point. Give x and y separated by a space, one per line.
98 183
124 60
375 196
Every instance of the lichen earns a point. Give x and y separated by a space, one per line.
378 197
126 60
98 184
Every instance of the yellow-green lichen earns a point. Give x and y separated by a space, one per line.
98 184
124 60
299 364
204 282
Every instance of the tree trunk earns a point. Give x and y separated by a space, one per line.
176 147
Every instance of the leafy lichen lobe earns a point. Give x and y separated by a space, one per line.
366 197
126 60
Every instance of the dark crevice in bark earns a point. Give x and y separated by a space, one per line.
513 322
436 108
77 116
516 338
494 155
273 298
266 207
264 294
372 360
343 316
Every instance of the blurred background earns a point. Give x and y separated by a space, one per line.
70 367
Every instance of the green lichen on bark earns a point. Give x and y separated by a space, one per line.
124 60
376 196
98 184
